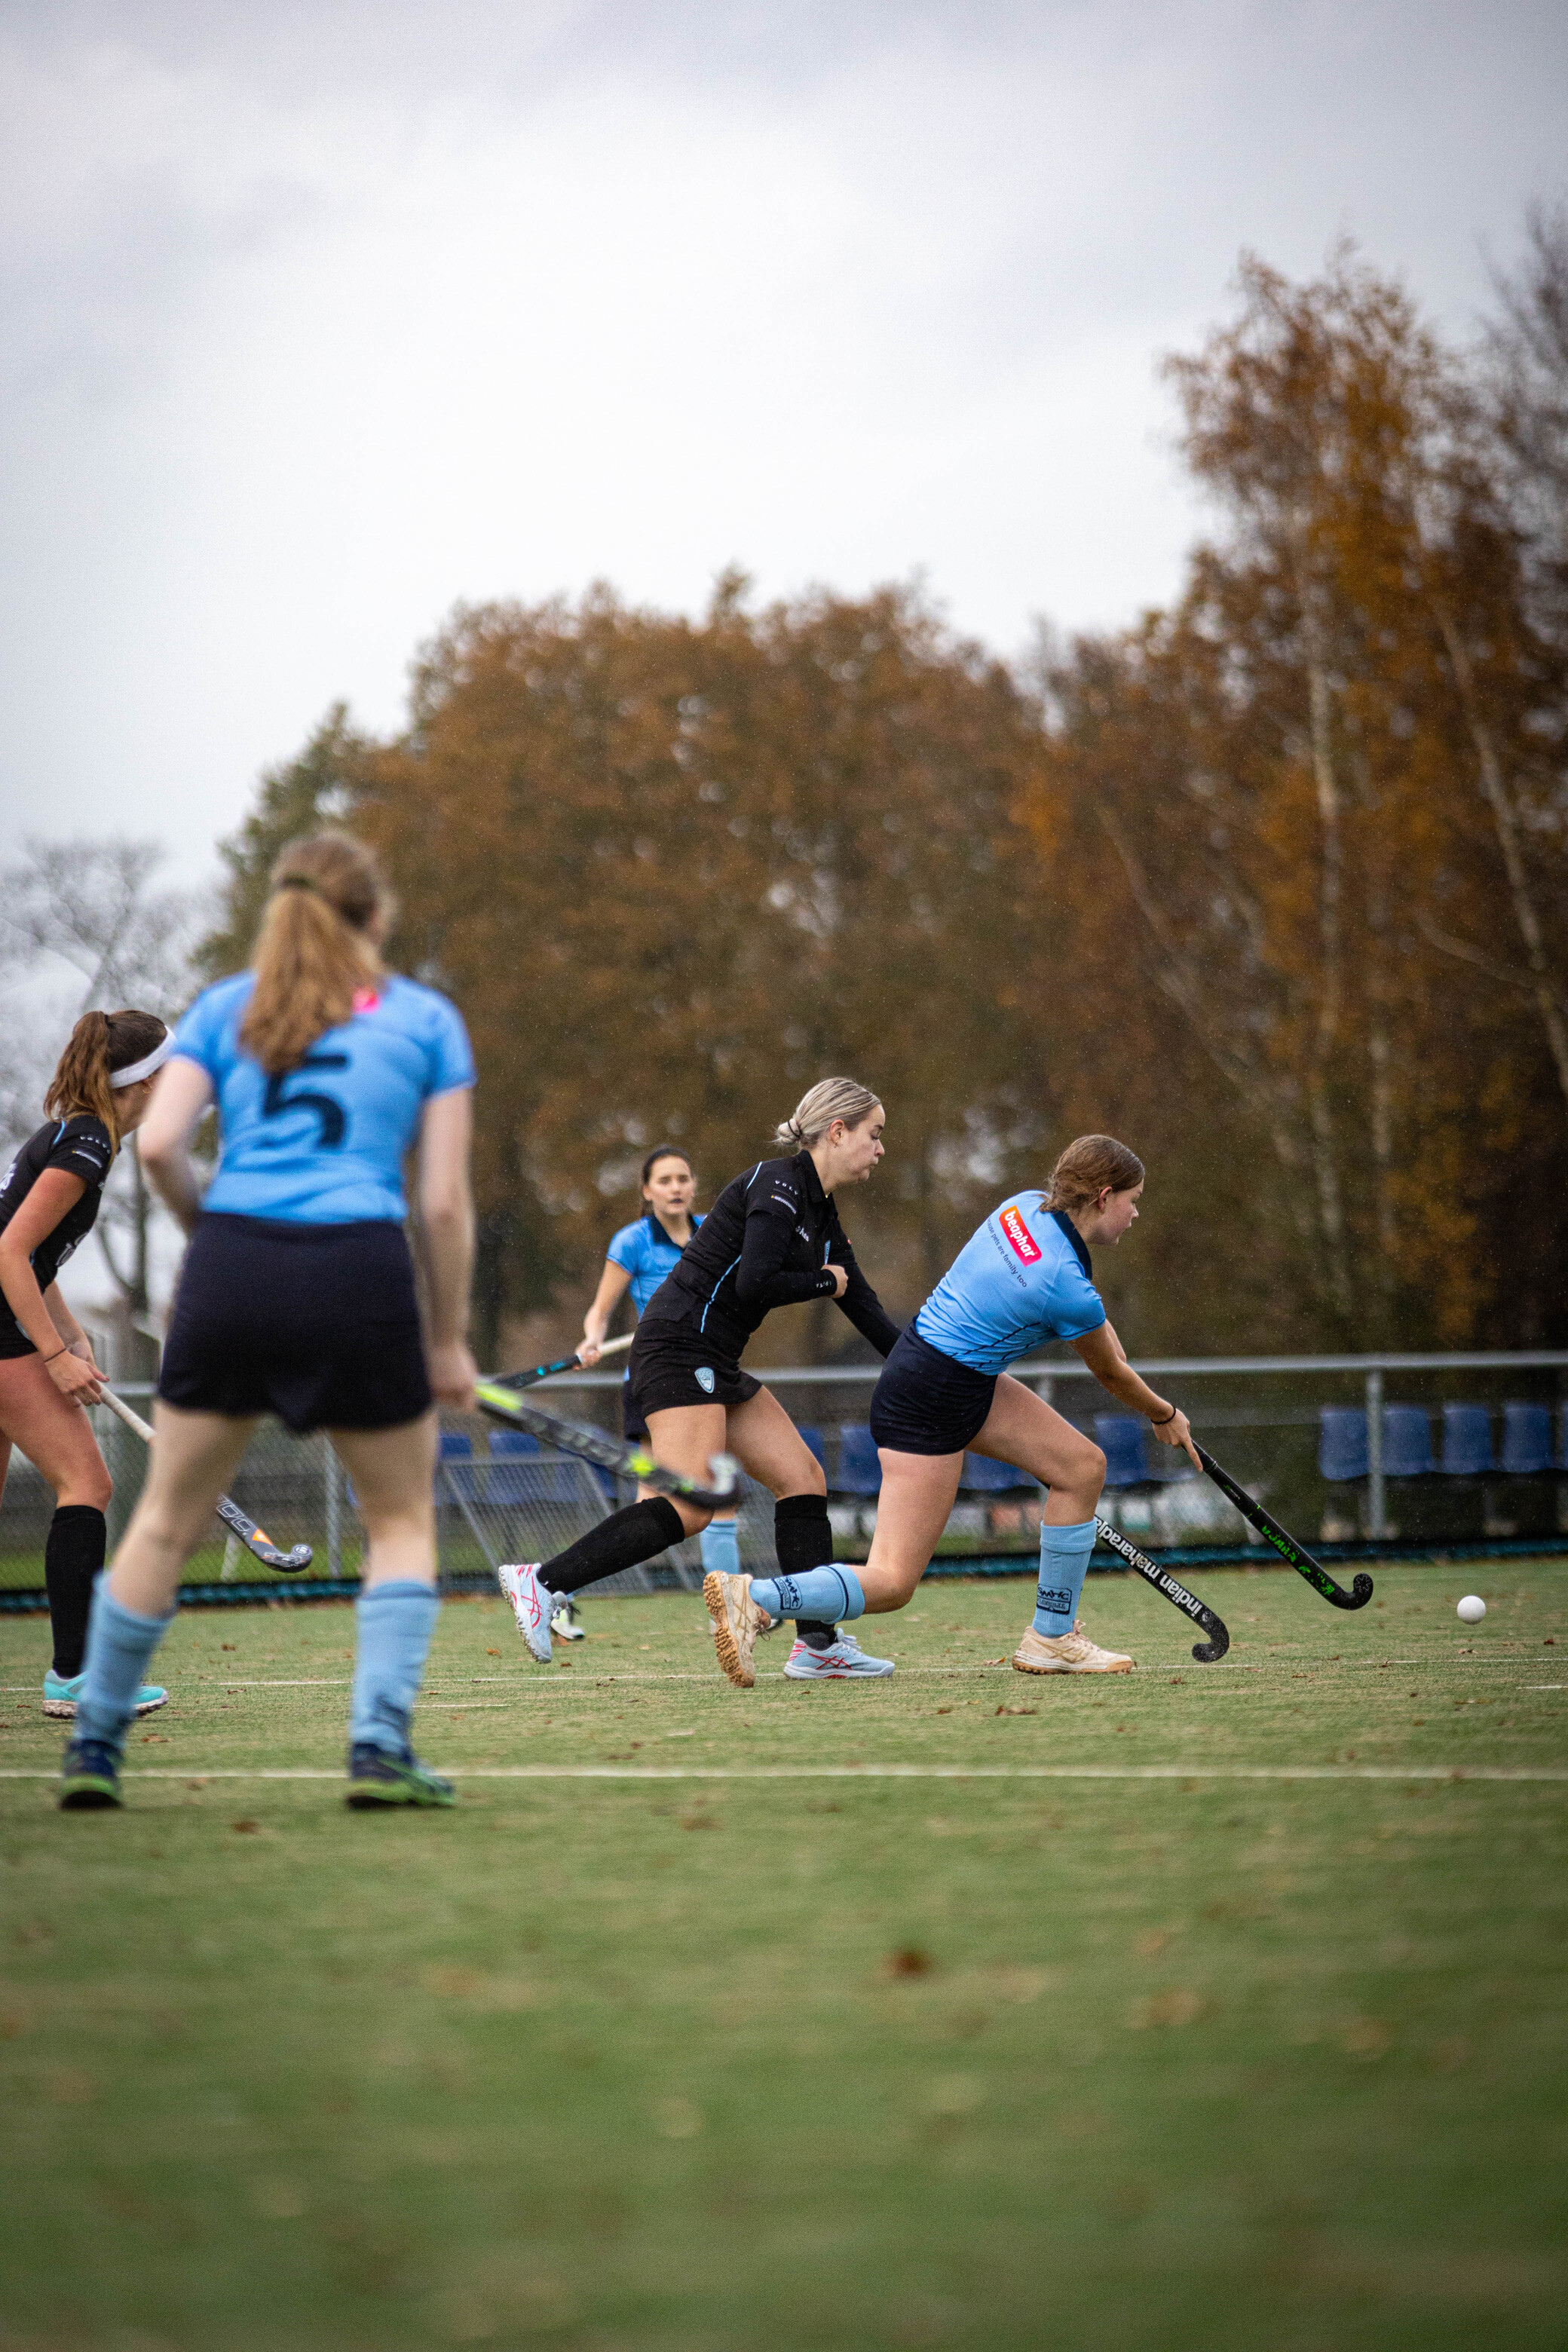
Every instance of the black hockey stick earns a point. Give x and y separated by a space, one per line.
1209 1653
565 1364
503 1402
255 1539
1284 1544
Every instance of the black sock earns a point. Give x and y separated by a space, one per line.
623 1540
73 1554
803 1538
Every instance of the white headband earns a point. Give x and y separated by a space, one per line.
146 1065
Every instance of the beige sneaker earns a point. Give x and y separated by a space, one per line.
1067 1653
736 1621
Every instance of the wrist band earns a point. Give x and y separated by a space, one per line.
60 1351
1166 1417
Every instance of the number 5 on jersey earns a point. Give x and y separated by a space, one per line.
327 1108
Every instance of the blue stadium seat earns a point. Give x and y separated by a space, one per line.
1467 1441
457 1445
1406 1441
507 1443
814 1444
1120 1438
981 1475
1341 1441
1526 1440
860 1472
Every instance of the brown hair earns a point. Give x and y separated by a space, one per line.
665 1151
100 1044
1084 1169
312 953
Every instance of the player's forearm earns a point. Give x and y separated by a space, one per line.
26 1302
1125 1385
172 1176
60 1315
447 1232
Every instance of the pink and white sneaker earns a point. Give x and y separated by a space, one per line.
532 1604
837 1663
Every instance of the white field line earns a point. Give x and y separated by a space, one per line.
1447 1772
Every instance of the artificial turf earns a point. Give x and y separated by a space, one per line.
770 2060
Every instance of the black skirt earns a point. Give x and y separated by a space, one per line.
926 1402
673 1364
317 1324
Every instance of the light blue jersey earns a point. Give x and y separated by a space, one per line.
1023 1278
322 1144
646 1253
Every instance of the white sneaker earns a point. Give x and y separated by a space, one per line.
563 1620
1067 1653
531 1605
842 1658
737 1620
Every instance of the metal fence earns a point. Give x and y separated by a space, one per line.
1259 1415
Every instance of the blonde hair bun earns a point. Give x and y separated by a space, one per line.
815 1111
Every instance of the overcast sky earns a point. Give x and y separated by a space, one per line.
319 315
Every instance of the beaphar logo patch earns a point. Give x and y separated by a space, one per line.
1020 1238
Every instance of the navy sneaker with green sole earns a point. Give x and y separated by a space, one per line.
90 1776
377 1777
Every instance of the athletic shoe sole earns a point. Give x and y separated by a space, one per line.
63 1710
742 1673
89 1794
1123 1667
380 1797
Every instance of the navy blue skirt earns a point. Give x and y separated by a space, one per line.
317 1324
926 1402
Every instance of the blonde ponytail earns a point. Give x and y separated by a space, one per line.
100 1044
313 952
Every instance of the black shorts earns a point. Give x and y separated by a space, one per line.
317 1324
673 1364
925 1402
633 1428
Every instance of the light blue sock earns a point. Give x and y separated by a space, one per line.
824 1596
120 1644
394 1623
1064 1564
722 1547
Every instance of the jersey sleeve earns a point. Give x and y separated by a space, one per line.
1076 1306
761 1279
84 1150
626 1248
451 1058
198 1034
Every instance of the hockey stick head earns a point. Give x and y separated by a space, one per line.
1359 1594
1210 1652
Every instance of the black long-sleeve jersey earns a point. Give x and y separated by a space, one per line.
766 1241
82 1145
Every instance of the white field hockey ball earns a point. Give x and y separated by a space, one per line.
1472 1609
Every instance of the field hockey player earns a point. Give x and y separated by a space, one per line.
297 1293
48 1203
773 1238
1023 1279
636 1262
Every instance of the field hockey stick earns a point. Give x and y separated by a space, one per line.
504 1403
1284 1544
286 1563
1208 1653
565 1364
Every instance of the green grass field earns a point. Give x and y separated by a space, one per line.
739 2042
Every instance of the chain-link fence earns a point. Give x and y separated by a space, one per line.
1413 1482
